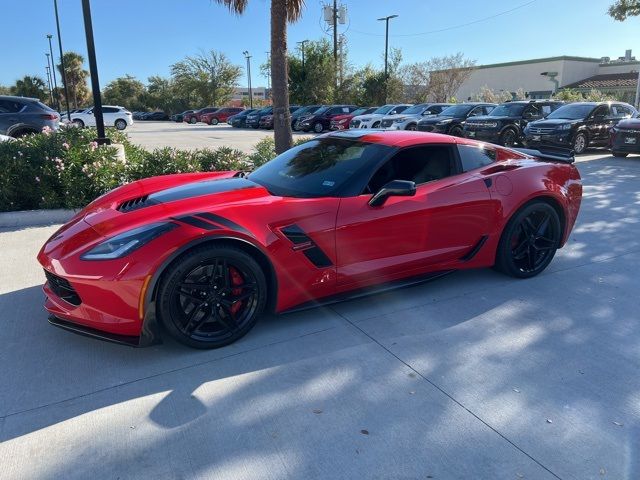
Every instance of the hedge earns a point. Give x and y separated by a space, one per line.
67 169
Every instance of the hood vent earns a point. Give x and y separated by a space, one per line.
133 204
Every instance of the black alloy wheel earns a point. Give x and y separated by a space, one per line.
529 241
508 138
580 143
412 127
456 132
212 297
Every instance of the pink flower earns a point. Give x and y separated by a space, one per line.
46 130
93 146
65 145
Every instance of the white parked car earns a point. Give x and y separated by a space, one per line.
114 116
374 119
408 120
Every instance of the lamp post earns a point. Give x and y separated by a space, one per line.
248 57
64 76
93 70
47 69
386 52
302 44
53 74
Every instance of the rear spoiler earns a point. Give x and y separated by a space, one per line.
552 154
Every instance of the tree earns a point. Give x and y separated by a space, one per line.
437 79
30 86
282 11
315 83
5 90
210 76
622 9
488 95
76 78
126 91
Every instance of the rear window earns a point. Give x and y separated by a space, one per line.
45 107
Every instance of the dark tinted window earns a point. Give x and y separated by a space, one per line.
621 111
10 106
508 110
572 111
457 110
475 157
319 167
112 110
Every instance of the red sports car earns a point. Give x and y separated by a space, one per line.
203 255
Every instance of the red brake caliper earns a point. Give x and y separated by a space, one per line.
236 279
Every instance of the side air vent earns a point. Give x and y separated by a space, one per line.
62 288
302 242
133 204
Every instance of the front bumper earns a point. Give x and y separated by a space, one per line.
627 141
489 136
562 140
432 127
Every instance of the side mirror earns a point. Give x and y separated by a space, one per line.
395 188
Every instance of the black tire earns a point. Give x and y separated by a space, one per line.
192 120
79 123
529 241
580 143
619 154
120 124
202 316
508 138
23 133
214 121
456 132
317 127
412 127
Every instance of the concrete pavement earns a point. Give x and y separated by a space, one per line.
473 376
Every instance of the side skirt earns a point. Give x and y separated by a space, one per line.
367 291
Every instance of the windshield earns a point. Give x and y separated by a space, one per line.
456 110
359 111
317 168
320 111
573 111
415 110
384 109
508 110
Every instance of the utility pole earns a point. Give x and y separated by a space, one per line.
386 54
638 91
248 57
53 73
302 44
64 76
49 82
335 42
93 70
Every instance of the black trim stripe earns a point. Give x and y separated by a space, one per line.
302 242
196 222
223 221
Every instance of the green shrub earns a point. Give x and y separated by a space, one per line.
67 169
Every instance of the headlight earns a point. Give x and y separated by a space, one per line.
444 122
344 120
127 242
566 126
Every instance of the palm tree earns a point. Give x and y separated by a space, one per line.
29 86
76 77
282 11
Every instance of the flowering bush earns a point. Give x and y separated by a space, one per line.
67 169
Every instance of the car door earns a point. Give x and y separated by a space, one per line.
446 218
9 114
110 114
599 123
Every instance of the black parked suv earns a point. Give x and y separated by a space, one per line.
239 120
452 119
321 119
577 125
506 123
253 120
302 112
22 116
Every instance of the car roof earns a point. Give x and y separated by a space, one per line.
18 98
393 138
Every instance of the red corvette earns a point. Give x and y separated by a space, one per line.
205 254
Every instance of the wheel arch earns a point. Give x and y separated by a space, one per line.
250 248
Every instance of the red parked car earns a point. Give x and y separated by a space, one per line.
196 116
205 254
220 115
341 122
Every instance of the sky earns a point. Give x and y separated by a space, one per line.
144 37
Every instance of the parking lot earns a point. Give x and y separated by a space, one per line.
186 136
474 376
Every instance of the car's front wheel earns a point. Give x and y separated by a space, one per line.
212 296
619 154
317 127
192 120
508 138
214 121
412 127
529 241
580 143
456 132
78 122
120 124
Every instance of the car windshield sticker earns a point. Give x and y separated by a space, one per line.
328 183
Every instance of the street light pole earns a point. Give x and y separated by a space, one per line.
49 82
248 57
93 70
53 74
64 76
386 53
302 44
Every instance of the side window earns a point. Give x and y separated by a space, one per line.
401 108
532 111
8 106
415 164
487 109
477 111
475 157
601 111
109 110
620 111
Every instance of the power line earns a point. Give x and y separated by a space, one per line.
452 27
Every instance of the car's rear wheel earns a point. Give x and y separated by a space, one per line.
212 296
508 138
78 122
456 132
412 127
529 241
619 154
580 143
317 127
214 121
120 124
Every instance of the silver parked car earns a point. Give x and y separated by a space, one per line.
408 120
22 115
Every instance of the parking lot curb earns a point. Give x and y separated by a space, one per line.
34 218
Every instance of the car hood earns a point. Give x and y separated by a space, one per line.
412 116
489 118
433 120
552 122
342 117
371 116
630 123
